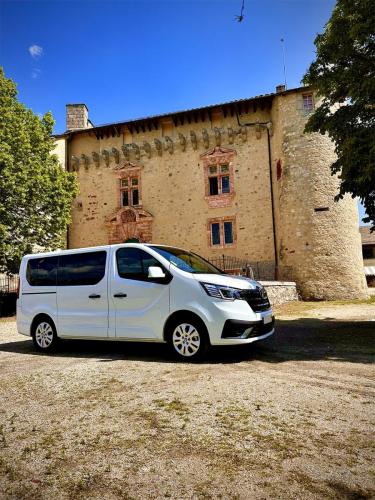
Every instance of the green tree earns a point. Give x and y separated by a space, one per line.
35 192
344 76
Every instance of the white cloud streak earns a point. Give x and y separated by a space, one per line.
35 73
36 51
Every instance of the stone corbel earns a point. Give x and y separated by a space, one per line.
182 140
85 161
147 149
168 144
193 138
258 130
206 139
74 162
217 133
126 151
243 132
136 150
270 128
105 156
158 146
95 158
230 135
116 155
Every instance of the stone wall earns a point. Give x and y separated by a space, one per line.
280 292
173 187
318 237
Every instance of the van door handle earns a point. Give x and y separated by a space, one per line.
94 296
120 295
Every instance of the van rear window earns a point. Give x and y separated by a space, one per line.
42 271
81 268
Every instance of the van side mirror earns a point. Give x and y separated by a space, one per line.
156 272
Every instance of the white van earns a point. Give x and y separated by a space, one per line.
138 292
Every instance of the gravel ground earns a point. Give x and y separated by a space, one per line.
288 418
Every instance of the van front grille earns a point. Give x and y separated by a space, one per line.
257 299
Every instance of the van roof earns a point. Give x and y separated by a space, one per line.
98 248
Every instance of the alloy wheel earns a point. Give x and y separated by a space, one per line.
186 339
44 335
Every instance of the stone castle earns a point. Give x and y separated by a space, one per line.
239 178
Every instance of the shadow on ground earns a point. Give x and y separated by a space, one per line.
307 339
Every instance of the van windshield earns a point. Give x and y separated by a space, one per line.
186 261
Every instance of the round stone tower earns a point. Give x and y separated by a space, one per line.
317 237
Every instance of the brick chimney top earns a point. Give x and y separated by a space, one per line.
280 88
77 117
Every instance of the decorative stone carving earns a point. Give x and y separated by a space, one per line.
105 156
258 130
205 137
126 151
168 144
85 161
158 146
136 150
194 140
243 132
126 166
147 149
230 135
74 162
182 140
116 155
130 223
217 133
95 158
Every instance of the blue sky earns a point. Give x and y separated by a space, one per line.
128 59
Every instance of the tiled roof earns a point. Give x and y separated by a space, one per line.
192 110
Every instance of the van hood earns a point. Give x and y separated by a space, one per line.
227 280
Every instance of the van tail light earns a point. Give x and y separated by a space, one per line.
18 287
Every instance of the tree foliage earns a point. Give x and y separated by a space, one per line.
344 76
35 192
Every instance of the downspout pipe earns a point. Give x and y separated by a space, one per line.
252 124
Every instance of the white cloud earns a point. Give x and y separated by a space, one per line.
36 51
35 73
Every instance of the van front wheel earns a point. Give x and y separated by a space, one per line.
188 339
44 335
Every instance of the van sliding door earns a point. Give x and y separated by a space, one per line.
82 296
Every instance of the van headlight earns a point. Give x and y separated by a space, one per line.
221 292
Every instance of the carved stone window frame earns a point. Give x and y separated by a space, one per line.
220 221
219 157
129 171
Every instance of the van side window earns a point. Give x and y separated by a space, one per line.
133 263
81 268
42 271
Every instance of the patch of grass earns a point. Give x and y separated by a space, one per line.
299 307
176 405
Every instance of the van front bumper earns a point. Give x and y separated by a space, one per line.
244 330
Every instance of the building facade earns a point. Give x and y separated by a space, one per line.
239 179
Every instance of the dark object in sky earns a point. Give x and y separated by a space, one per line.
241 16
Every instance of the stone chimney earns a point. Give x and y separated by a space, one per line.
77 117
280 88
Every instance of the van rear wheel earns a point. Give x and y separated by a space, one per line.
188 339
44 335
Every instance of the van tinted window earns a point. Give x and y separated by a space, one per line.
42 271
81 268
133 263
